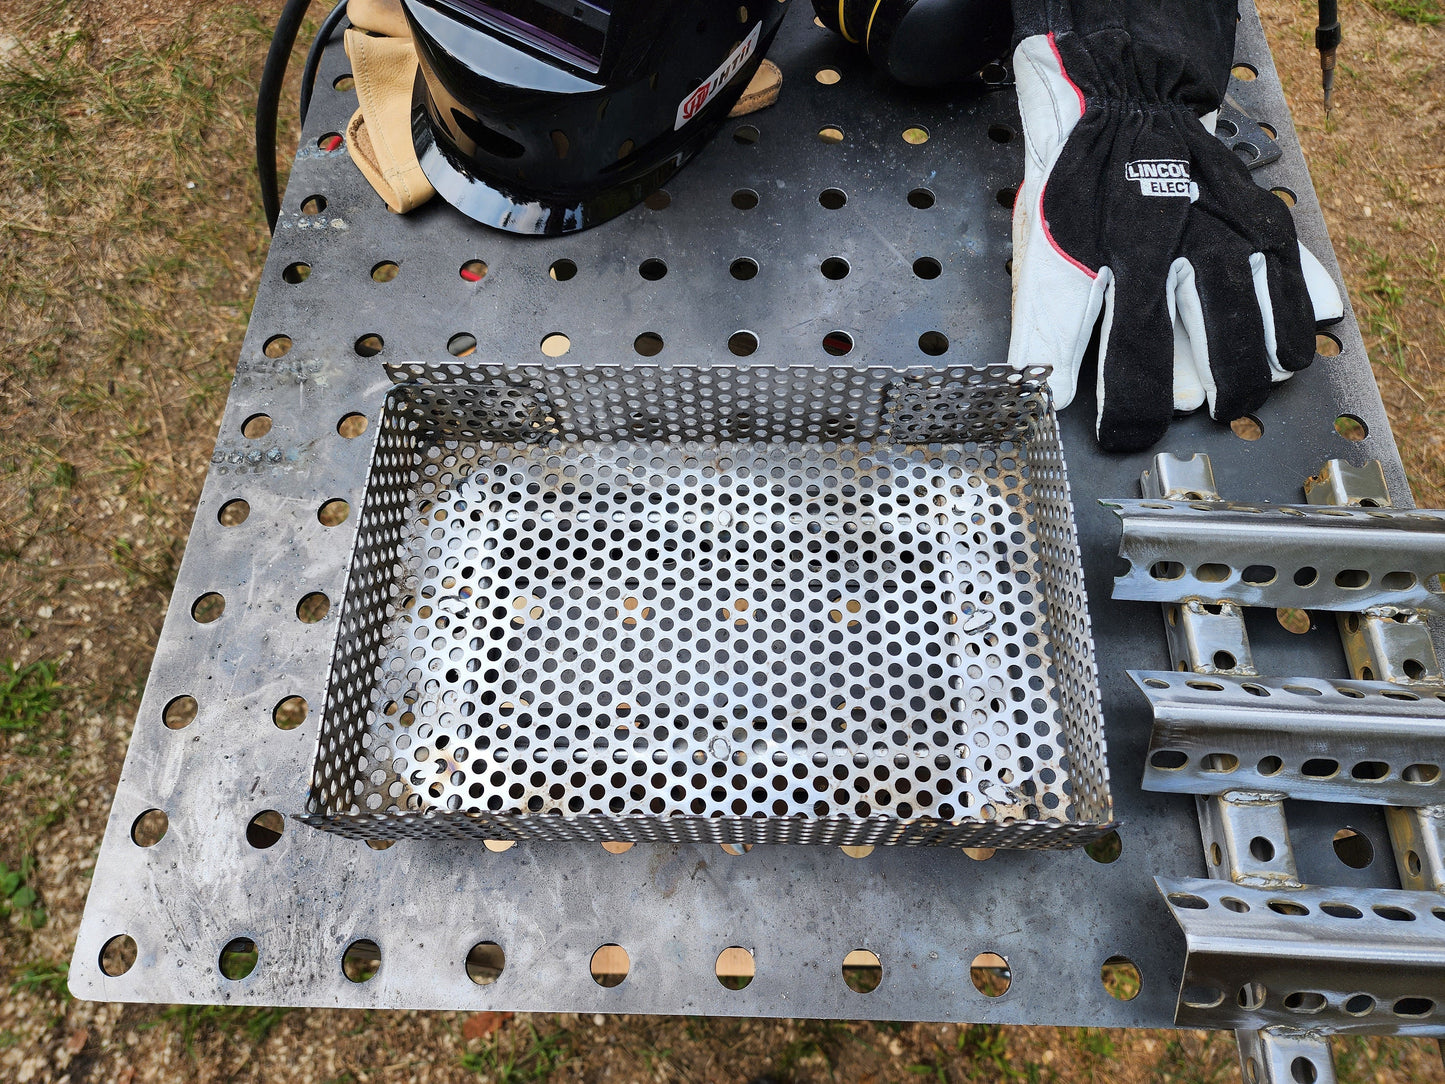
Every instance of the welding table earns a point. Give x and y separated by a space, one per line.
758 191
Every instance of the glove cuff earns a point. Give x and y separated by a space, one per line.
1142 51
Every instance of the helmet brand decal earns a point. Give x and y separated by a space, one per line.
693 104
1160 176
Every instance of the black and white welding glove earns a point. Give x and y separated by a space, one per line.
1131 208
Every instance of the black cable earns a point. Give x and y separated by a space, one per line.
313 58
268 102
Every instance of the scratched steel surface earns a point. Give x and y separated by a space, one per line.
926 913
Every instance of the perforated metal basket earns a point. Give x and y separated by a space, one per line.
732 604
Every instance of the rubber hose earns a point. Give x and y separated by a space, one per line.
313 58
268 102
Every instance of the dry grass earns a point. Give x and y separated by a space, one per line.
132 245
1379 167
132 241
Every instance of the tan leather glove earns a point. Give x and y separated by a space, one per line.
379 134
383 17
762 90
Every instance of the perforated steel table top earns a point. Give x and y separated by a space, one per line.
783 236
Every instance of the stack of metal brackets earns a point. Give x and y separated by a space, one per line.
1283 963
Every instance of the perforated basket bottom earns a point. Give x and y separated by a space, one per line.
760 643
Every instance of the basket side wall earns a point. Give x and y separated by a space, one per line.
372 586
1062 582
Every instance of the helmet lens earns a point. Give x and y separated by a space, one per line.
573 31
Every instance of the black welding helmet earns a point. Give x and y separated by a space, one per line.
550 116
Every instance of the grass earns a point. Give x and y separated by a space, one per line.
1380 299
19 902
43 977
930 1068
806 1047
1375 164
1419 12
1097 1042
510 1058
133 244
1106 848
230 1023
1120 978
37 94
817 1041
984 1056
28 694
1198 1058
1363 1059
